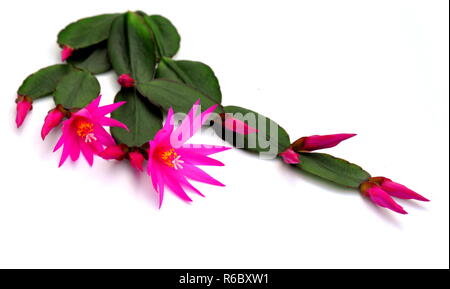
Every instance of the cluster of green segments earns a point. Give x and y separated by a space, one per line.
142 46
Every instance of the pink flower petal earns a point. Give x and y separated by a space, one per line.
194 158
103 137
168 125
93 106
238 125
67 149
190 125
174 185
75 150
400 191
317 142
381 198
199 175
106 109
87 153
105 121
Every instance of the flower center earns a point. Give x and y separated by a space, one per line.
172 159
85 130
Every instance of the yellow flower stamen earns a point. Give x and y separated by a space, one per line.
172 159
85 130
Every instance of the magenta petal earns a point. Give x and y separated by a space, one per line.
189 124
156 179
174 185
87 153
64 156
67 149
59 143
196 174
168 125
160 188
400 191
105 121
290 157
192 123
94 104
75 151
190 156
381 198
191 187
104 110
317 142
151 163
103 137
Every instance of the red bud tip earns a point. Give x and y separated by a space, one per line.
136 160
125 80
317 142
381 198
24 105
237 125
66 52
290 157
397 190
115 152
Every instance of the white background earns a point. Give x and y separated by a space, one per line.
376 68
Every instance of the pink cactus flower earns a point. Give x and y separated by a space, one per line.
113 152
83 131
66 52
290 157
52 120
317 142
171 161
381 198
397 190
24 105
126 80
237 125
136 160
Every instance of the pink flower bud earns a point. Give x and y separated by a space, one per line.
237 125
380 197
397 190
114 152
24 105
290 157
317 142
136 160
126 80
52 120
66 52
